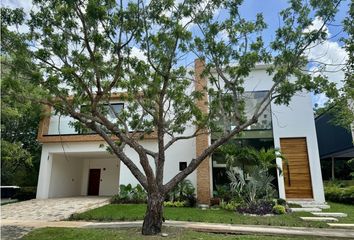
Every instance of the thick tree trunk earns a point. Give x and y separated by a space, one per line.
153 217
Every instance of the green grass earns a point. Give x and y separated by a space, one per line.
344 208
132 212
134 233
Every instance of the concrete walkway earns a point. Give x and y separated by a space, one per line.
17 219
197 226
53 209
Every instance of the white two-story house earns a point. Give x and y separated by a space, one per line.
74 164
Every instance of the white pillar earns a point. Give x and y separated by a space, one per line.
45 172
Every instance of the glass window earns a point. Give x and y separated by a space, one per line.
110 110
252 101
113 109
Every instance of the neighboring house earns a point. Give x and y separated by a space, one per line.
73 164
335 143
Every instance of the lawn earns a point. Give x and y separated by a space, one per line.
134 233
131 212
344 208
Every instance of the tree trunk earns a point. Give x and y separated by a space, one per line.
153 217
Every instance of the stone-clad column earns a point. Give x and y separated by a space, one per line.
204 192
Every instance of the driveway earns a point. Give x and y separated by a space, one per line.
53 209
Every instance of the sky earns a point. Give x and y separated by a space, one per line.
329 52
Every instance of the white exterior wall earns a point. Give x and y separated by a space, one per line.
295 120
66 174
109 183
69 176
66 177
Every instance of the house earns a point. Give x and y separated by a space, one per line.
336 146
74 164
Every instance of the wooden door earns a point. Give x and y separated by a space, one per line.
296 170
94 182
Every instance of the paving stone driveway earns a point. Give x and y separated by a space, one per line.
54 209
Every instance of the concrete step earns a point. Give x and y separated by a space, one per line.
320 219
306 209
346 225
329 214
322 206
304 202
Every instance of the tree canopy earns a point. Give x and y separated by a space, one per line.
20 150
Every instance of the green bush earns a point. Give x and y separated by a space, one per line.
175 204
25 193
340 195
230 206
279 209
183 192
168 204
129 194
281 201
223 192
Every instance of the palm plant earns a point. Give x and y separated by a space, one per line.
257 185
182 191
247 157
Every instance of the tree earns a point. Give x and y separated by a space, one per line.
342 107
83 53
20 150
347 114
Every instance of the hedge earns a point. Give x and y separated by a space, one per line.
340 195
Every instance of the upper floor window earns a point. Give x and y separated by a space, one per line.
110 110
113 109
252 101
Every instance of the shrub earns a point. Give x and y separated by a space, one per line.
281 201
191 201
223 192
174 204
279 209
260 207
115 199
25 193
168 204
139 195
128 194
258 185
215 201
183 192
340 195
230 206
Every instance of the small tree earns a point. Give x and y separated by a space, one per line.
84 53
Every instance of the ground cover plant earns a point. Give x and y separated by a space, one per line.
340 194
